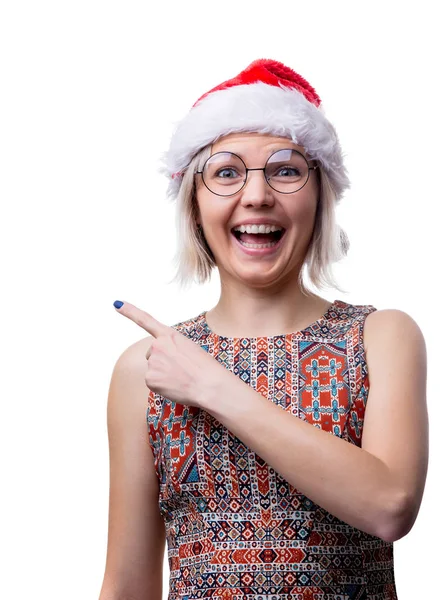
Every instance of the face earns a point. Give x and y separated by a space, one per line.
295 212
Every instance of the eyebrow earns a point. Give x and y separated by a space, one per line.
271 151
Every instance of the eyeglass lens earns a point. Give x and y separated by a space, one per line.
225 173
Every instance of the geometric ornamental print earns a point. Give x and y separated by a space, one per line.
235 528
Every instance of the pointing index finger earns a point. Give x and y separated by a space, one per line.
143 319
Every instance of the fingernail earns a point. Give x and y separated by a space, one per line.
118 304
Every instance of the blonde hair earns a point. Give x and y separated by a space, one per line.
195 261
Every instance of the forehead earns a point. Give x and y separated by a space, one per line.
253 143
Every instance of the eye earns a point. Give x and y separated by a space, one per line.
287 172
227 173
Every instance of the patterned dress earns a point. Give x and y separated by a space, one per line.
235 528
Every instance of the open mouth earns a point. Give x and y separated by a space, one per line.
258 239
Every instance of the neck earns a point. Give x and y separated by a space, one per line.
251 312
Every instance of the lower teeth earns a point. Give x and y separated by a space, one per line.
247 245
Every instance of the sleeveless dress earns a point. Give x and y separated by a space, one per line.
235 528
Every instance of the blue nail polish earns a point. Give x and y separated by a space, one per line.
118 304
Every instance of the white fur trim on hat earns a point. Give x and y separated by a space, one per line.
260 108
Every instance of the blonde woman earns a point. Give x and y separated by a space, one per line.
285 444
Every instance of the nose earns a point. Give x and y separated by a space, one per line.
256 190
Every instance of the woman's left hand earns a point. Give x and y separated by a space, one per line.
177 367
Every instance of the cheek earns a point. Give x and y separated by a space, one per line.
303 209
214 211
202 207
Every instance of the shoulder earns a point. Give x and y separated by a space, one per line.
391 327
136 352
130 367
390 317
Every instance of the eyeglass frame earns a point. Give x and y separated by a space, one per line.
258 169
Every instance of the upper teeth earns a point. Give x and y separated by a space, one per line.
257 228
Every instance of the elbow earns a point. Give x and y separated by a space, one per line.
398 520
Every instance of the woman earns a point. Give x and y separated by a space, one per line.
277 467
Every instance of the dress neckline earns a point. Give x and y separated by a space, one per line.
318 323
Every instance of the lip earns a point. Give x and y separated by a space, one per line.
258 221
258 251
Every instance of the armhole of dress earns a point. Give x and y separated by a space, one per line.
152 422
355 422
368 310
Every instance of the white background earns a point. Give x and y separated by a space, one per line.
90 91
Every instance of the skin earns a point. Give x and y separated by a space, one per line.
259 296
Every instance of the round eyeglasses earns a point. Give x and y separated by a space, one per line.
286 171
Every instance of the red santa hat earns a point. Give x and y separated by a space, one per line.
266 97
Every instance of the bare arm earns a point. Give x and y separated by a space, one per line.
376 488
136 534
